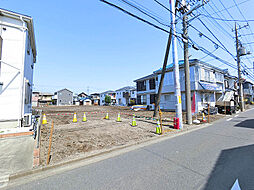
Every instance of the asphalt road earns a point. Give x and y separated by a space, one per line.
209 158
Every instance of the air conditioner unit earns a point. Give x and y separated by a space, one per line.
27 120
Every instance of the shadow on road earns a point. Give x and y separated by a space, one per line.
249 123
232 164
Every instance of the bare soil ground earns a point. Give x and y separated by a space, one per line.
71 140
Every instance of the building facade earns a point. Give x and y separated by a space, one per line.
110 93
126 96
63 97
146 90
206 81
248 92
42 98
18 55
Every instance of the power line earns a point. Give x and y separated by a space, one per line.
135 16
218 13
142 11
227 20
231 6
164 30
217 25
223 48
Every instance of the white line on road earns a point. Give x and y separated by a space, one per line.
236 115
229 119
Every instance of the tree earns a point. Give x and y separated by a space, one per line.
107 99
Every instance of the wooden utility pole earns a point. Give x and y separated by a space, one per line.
165 62
240 92
186 67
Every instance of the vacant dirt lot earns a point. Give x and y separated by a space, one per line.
71 140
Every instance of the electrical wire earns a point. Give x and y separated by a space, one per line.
227 20
178 37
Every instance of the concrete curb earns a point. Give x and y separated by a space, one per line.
75 163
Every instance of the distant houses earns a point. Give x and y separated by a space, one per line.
41 99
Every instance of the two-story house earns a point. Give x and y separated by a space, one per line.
110 93
146 90
17 55
206 81
248 92
95 97
125 96
63 97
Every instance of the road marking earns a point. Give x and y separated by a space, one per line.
229 119
236 115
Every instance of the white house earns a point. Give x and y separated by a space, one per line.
110 93
18 55
125 95
206 81
147 88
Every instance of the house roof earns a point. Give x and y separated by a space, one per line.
126 88
145 77
95 94
30 25
192 62
248 82
46 94
107 92
82 93
64 89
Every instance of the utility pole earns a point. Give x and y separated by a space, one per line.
240 92
158 98
186 67
176 66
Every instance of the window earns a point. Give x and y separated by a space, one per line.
143 99
138 99
219 77
206 97
152 98
126 95
152 84
28 93
141 85
207 75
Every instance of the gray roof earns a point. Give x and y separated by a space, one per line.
46 94
192 62
64 89
145 77
107 92
127 88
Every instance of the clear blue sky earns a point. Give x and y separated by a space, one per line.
85 44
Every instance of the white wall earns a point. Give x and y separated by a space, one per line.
14 53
